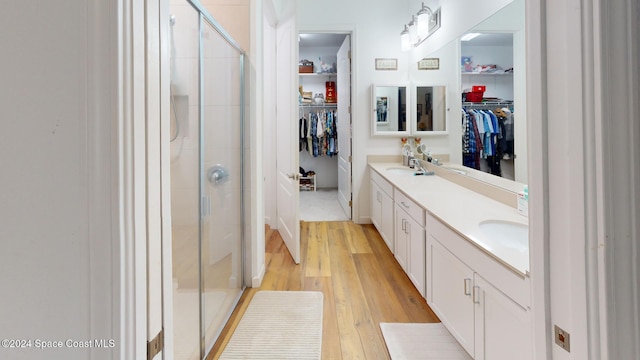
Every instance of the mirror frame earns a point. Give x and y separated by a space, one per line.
414 102
373 118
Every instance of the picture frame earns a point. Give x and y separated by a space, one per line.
382 110
429 64
386 64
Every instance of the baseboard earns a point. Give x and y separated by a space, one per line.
256 281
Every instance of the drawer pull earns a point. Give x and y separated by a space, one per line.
405 205
476 298
467 286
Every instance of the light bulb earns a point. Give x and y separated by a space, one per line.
413 30
424 18
404 39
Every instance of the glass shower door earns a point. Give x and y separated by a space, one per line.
221 183
206 179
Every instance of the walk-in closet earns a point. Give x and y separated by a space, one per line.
321 121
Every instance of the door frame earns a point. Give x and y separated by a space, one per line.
351 31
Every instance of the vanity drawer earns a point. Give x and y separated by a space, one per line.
414 210
384 184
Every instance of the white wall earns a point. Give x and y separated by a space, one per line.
233 16
58 206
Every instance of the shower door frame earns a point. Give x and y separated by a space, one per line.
203 18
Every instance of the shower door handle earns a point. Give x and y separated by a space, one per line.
218 174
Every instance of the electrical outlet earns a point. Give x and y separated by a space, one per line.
562 338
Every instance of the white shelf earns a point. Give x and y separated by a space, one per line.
318 74
486 74
318 105
308 183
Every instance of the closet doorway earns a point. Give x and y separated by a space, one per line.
324 123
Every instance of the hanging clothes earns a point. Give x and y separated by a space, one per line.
319 133
486 135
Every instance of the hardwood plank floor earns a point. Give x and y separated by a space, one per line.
362 284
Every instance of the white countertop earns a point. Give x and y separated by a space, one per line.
463 210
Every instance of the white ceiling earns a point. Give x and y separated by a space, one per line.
321 40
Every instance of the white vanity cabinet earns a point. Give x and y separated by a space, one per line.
410 239
483 304
449 293
502 327
382 210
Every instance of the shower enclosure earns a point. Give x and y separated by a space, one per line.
207 116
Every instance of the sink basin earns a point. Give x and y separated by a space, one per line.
505 234
401 170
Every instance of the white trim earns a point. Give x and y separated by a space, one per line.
595 197
165 178
256 281
617 303
270 13
358 158
538 177
131 183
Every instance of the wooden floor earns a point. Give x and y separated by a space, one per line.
362 283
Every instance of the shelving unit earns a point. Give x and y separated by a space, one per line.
486 74
308 183
325 105
317 74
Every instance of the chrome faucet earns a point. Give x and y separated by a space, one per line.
416 164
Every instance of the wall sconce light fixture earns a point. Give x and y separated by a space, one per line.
421 26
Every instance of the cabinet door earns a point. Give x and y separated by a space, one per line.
402 238
416 255
382 213
502 326
376 214
451 283
387 219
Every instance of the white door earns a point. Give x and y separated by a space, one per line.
344 125
287 174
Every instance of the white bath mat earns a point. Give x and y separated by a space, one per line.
409 341
279 325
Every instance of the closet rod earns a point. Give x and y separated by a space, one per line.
318 105
489 105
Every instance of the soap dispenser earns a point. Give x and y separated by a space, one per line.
523 201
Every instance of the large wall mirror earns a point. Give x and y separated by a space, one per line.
430 105
499 39
492 56
390 115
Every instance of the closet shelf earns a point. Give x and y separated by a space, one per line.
319 105
485 74
318 74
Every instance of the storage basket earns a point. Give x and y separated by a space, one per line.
305 67
476 94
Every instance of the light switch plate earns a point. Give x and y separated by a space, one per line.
562 338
